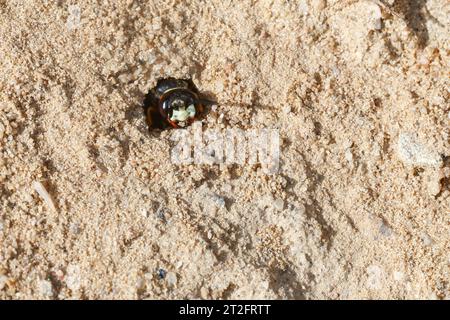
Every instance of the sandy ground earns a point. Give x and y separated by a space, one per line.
360 206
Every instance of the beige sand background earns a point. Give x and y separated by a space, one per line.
358 91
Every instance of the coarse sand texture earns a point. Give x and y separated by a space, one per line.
92 205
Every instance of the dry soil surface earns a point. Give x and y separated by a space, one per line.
91 205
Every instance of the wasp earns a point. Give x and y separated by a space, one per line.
173 103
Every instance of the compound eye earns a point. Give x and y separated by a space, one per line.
179 107
173 102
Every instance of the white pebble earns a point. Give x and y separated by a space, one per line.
376 17
45 288
434 184
412 152
140 284
203 293
3 280
145 213
319 5
398 275
279 204
287 109
2 131
73 20
40 189
73 280
74 228
349 156
427 239
148 276
385 230
171 278
374 277
377 24
218 201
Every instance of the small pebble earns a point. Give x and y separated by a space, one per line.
161 215
319 5
73 20
227 188
398 276
378 25
413 152
148 276
376 18
218 201
3 280
171 279
74 228
59 275
301 209
204 293
374 279
45 288
73 278
287 109
2 131
145 213
161 273
434 185
140 284
43 193
349 156
279 204
427 239
385 230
